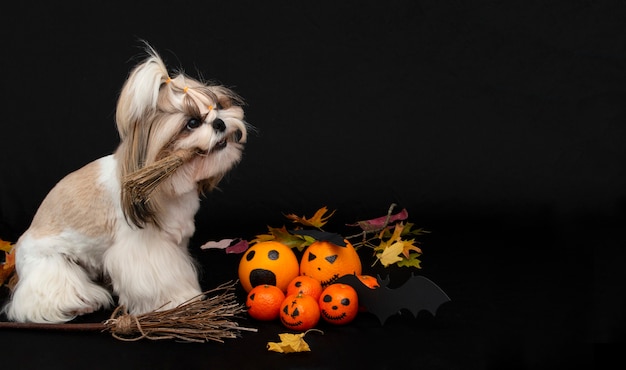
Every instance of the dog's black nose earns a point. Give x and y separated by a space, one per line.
238 135
219 125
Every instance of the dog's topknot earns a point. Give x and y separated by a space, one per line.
140 92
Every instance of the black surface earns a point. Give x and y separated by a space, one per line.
499 125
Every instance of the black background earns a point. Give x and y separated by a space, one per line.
499 125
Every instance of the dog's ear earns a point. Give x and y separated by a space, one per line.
140 93
135 108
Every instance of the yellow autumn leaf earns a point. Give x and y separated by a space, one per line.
290 343
391 254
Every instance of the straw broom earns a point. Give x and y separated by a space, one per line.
201 319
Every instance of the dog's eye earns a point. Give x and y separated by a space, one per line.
193 123
219 106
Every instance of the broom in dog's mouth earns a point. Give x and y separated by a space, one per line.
201 319
141 183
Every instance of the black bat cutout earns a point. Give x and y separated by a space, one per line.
416 294
322 236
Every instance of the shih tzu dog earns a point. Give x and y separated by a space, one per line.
94 237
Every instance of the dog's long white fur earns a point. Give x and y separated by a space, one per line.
81 251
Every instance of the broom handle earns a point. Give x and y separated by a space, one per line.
56 327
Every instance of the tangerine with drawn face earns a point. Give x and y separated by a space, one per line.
299 312
305 285
270 263
339 304
327 262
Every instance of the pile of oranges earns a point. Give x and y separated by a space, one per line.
300 294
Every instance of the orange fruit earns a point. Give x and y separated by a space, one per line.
339 304
305 285
263 302
328 262
270 263
370 282
299 312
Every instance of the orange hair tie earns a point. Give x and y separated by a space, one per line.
210 107
168 80
185 89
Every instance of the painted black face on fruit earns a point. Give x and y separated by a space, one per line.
334 310
290 315
269 263
339 304
260 276
299 312
328 262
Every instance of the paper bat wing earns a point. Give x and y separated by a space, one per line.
417 294
334 238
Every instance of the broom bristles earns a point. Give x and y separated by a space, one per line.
196 320
141 183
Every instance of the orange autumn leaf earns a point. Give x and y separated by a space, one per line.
409 246
318 220
7 268
5 246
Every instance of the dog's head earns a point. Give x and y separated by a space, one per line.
158 114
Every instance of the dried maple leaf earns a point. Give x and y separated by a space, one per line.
7 268
409 246
391 253
318 220
394 249
290 343
411 261
5 246
408 230
392 236
282 235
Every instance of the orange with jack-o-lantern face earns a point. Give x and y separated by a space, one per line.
299 312
339 304
327 262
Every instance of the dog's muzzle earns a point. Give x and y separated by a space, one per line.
234 137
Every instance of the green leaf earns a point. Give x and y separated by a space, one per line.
412 261
281 235
408 230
